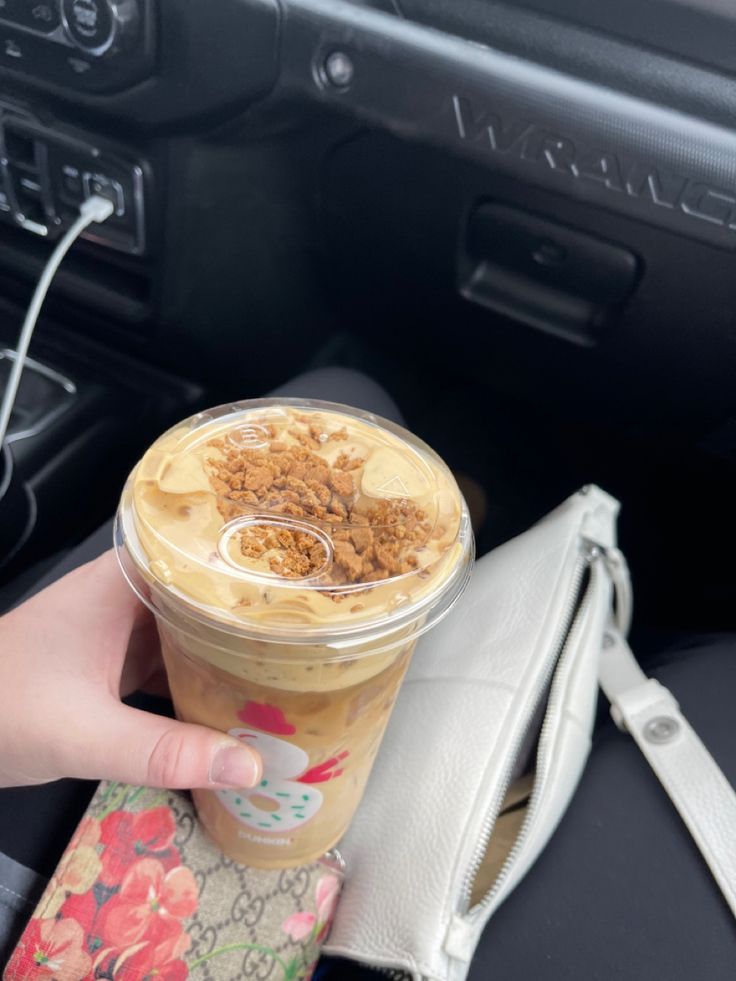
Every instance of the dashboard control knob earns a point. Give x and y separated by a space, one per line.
100 26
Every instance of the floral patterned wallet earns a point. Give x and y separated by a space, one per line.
141 894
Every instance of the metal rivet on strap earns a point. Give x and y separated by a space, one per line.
661 729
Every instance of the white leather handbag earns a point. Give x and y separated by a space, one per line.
488 741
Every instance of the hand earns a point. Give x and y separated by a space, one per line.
67 656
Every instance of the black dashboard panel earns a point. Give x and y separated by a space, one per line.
594 55
169 63
209 122
578 136
84 45
703 31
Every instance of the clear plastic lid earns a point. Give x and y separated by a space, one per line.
295 521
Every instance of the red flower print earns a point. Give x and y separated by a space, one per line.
130 837
266 717
51 950
160 957
299 925
326 893
82 908
324 771
148 893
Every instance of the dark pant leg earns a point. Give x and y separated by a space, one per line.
37 822
342 385
622 891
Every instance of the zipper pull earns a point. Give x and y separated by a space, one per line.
618 569
461 938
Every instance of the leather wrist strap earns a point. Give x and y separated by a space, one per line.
695 784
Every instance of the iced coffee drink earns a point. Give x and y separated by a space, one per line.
292 552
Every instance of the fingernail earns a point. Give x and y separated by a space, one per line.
235 766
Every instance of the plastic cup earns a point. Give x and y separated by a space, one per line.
292 551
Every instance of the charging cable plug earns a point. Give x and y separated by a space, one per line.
97 209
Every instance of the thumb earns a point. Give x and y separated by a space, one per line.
149 750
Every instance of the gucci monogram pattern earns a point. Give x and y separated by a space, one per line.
141 894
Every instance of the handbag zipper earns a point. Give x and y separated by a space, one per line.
575 607
589 552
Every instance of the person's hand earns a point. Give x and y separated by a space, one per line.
67 656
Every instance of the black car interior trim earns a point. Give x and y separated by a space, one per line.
528 120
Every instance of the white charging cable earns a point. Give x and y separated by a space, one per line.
94 209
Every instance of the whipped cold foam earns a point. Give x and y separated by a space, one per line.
287 521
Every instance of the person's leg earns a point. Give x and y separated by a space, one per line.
622 891
342 385
37 822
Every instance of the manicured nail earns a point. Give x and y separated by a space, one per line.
235 766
